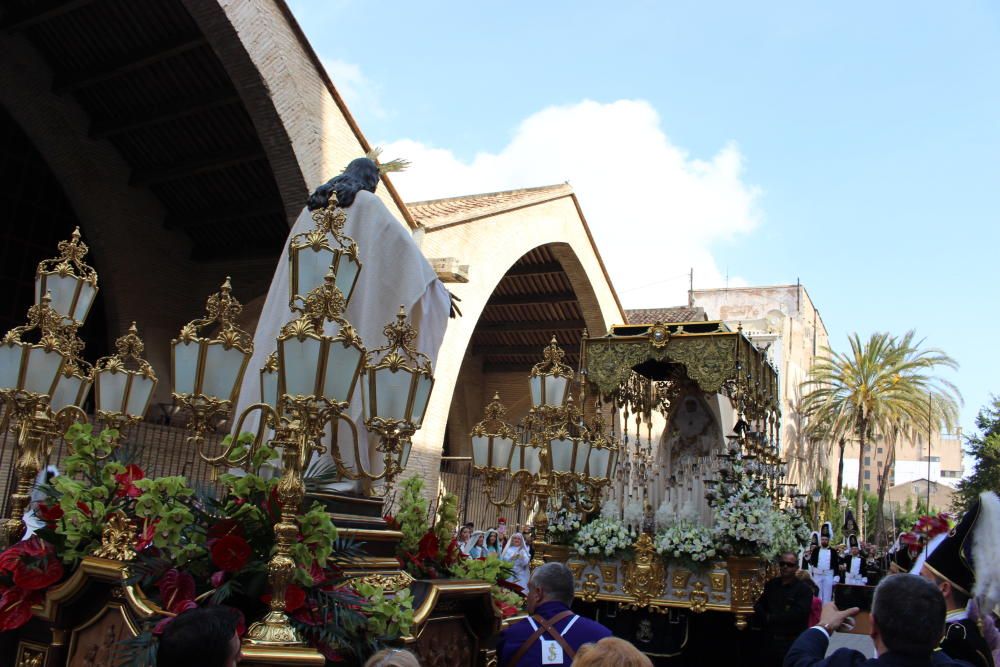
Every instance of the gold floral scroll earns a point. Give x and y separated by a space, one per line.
710 360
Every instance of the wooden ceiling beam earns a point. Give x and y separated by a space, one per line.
531 325
221 215
534 350
130 63
39 12
199 165
162 113
534 269
531 299
519 366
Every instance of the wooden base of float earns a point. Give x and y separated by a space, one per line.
647 581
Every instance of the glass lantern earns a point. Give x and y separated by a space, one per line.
71 283
312 254
493 439
550 379
124 382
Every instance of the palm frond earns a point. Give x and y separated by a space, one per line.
399 164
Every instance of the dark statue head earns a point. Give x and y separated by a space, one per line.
361 174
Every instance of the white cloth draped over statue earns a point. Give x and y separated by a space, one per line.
393 272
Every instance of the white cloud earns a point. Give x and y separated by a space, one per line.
359 92
655 211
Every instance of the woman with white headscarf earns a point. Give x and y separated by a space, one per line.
477 546
516 553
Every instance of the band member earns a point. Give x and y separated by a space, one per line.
807 555
962 565
855 566
824 564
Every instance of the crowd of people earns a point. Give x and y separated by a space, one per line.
927 616
513 547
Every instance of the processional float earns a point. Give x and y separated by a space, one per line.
306 388
596 455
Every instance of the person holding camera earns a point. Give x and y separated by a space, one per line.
907 623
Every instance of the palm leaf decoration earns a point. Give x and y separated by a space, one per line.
399 164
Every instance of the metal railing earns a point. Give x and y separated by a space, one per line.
160 450
473 505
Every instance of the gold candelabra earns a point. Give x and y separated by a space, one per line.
306 388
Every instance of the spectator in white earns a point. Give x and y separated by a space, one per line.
516 553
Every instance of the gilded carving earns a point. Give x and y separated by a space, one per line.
609 573
645 576
390 583
28 656
577 569
681 578
116 539
709 360
590 588
718 581
699 598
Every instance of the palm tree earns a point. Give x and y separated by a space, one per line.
882 387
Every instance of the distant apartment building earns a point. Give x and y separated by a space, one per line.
941 463
783 320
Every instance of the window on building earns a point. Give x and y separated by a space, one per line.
868 487
879 450
868 460
868 475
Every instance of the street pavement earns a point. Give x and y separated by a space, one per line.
861 643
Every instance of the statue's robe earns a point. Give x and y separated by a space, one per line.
393 272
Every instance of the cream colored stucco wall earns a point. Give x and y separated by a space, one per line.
786 317
490 246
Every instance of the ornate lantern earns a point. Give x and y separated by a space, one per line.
569 445
550 379
313 365
71 283
395 390
269 381
33 368
322 250
603 454
398 381
493 439
124 382
207 372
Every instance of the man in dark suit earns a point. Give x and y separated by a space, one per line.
907 622
783 608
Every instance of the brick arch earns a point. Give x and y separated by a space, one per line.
533 272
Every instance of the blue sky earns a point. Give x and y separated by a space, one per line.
851 145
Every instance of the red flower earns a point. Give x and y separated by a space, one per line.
428 547
506 610
147 536
33 574
454 553
176 589
217 579
125 480
49 514
83 507
15 607
225 527
391 522
231 553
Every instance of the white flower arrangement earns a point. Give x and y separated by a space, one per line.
791 533
746 522
689 542
604 538
563 525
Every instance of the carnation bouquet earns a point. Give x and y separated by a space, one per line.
603 537
690 543
563 526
